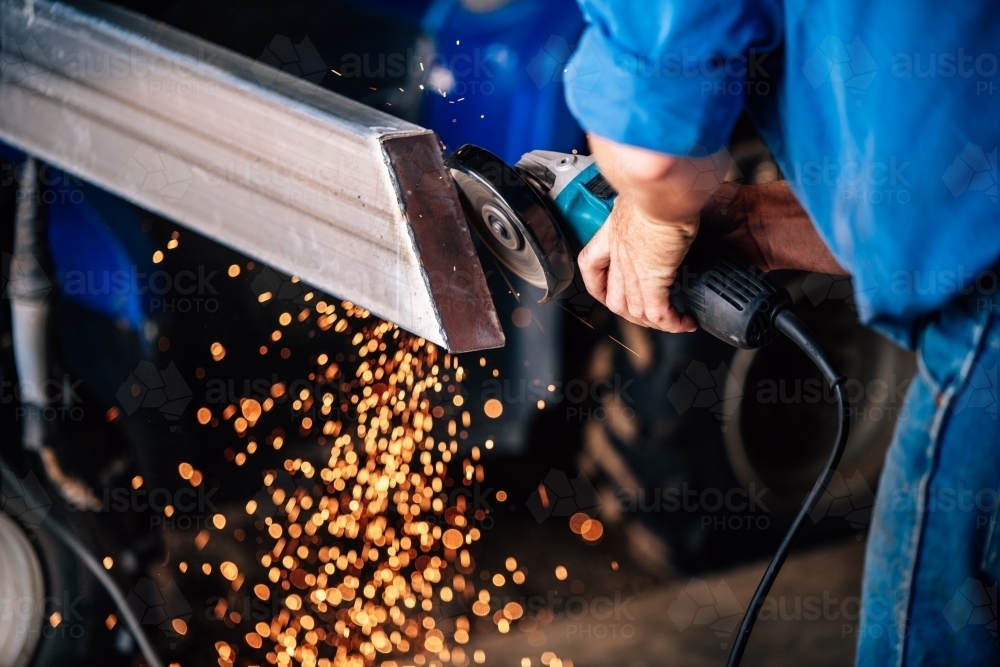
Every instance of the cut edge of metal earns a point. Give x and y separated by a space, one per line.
442 240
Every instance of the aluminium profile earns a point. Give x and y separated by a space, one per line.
349 199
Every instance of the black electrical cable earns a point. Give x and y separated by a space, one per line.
789 324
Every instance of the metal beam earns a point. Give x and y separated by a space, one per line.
349 199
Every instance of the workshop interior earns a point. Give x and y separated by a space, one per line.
222 447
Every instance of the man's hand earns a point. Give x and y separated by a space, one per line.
633 260
663 203
630 265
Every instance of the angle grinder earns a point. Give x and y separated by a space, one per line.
536 216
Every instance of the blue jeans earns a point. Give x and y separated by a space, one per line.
929 595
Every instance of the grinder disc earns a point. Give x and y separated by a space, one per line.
511 219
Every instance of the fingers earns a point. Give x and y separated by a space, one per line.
667 318
635 306
646 303
594 261
616 300
660 313
629 267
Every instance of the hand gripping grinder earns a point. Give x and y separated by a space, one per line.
538 215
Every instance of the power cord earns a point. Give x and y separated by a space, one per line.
789 324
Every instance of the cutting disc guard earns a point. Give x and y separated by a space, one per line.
511 219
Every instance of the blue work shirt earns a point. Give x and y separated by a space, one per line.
883 116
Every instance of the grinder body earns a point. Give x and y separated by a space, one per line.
725 295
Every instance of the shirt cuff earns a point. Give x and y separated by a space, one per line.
663 104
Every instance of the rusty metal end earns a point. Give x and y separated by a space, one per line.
448 259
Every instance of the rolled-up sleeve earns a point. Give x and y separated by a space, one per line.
669 75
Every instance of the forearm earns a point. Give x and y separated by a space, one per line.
663 188
776 232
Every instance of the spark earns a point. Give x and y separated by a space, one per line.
624 346
591 326
509 285
364 539
580 319
362 535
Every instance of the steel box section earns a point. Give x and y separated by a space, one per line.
351 200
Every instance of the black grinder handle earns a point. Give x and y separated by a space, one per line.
729 298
